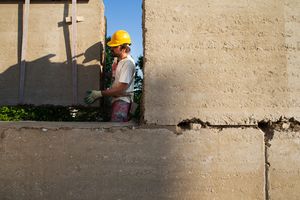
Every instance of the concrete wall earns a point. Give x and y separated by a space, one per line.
284 171
224 62
48 69
124 161
75 161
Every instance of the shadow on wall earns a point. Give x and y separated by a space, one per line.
48 82
88 165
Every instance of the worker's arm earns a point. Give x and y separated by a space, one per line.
118 90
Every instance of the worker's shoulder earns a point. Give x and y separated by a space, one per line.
129 61
129 58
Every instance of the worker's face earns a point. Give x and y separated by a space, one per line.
116 51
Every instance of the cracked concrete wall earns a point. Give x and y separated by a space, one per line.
284 170
62 161
48 77
223 62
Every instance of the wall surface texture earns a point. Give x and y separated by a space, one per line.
223 62
284 171
48 78
51 161
229 64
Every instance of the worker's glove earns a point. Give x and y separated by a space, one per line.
92 95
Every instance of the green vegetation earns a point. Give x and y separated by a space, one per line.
138 87
108 62
49 113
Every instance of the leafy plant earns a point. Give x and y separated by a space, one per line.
49 113
108 63
138 86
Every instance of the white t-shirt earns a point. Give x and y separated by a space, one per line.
125 74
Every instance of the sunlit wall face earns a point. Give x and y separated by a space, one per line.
221 62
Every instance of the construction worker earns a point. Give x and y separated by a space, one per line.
123 85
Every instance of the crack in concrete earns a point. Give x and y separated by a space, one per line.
187 124
283 124
268 127
196 124
267 167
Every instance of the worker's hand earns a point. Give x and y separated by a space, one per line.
92 96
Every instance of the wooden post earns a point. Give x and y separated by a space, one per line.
23 52
74 52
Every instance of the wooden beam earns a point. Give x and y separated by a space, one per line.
23 52
74 52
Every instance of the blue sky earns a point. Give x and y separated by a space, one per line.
126 15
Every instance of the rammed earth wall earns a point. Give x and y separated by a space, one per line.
100 161
224 62
48 77
216 68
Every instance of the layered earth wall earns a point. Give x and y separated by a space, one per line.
42 160
222 62
215 68
48 77
94 161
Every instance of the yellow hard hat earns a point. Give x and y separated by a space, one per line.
119 37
